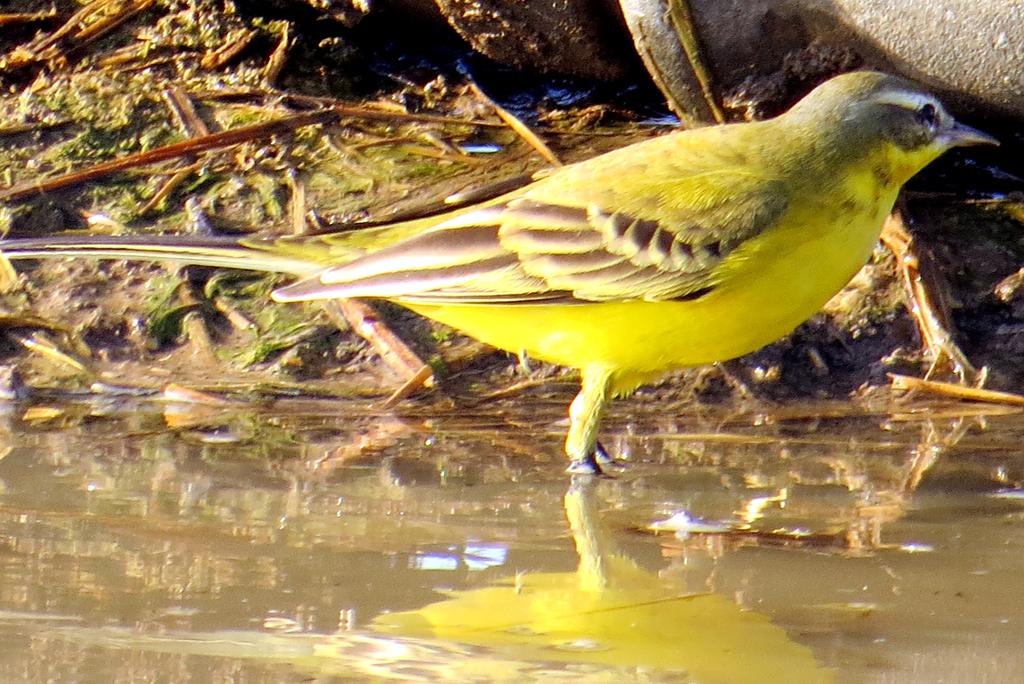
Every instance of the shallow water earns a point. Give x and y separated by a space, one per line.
151 542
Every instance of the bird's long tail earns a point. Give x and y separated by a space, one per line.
225 252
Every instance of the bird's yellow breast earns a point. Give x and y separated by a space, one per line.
768 287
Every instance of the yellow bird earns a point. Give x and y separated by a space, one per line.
694 247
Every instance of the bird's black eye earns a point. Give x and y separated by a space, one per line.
928 115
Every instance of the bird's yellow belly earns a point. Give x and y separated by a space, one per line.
784 281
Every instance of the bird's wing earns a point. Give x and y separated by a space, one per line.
528 249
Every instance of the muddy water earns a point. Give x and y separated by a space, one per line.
147 542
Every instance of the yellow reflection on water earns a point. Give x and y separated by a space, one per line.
327 539
612 612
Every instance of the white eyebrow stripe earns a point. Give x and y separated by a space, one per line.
907 99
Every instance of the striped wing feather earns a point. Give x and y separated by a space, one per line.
527 250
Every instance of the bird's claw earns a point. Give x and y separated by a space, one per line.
597 462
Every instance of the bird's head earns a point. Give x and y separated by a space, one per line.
871 113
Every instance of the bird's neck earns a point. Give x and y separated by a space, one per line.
819 154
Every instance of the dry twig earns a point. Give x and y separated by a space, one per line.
279 57
18 129
177 150
215 59
955 391
90 23
520 128
27 17
184 111
395 353
927 304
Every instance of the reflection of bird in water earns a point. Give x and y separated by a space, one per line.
611 612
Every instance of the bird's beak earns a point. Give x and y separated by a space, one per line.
959 135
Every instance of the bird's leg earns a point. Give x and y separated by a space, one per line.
585 412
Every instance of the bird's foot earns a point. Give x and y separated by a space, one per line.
597 462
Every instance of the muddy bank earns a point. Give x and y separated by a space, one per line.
418 131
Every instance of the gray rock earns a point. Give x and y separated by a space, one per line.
969 51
